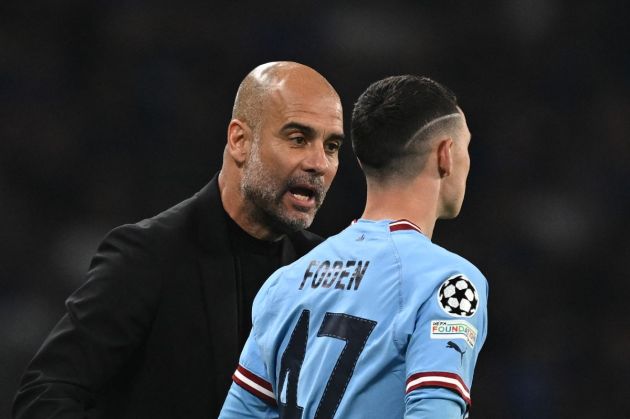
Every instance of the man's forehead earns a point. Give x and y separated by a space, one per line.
317 107
289 103
303 94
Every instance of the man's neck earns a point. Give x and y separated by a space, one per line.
414 201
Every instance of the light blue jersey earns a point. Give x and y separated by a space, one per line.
376 322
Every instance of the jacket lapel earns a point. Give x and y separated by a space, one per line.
218 280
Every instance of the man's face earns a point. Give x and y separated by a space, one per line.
293 158
455 185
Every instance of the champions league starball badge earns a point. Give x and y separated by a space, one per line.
458 296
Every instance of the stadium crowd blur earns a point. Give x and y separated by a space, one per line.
111 111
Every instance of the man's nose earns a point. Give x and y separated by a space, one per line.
316 160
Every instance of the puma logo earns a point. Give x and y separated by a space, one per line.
451 344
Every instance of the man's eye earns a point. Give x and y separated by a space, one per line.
332 147
299 140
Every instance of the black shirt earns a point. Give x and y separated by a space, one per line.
254 261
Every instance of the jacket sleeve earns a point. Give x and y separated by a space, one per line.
106 320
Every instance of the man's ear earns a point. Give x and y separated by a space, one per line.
445 157
239 140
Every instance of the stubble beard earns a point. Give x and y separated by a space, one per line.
265 192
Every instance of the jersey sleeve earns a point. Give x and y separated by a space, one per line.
251 394
433 403
448 331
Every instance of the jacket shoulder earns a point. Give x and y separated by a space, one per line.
165 233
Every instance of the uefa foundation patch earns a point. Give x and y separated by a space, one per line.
454 329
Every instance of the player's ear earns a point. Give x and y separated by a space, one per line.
239 140
445 157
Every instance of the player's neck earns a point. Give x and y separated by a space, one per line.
414 201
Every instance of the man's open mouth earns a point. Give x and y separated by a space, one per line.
302 193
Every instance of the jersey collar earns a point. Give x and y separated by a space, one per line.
403 225
398 225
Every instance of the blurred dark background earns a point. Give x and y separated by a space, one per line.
111 111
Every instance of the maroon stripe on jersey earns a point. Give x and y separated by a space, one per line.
439 379
403 225
248 380
260 381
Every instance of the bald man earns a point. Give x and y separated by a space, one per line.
158 325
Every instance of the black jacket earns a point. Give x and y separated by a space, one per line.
153 333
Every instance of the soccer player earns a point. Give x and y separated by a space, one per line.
377 322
